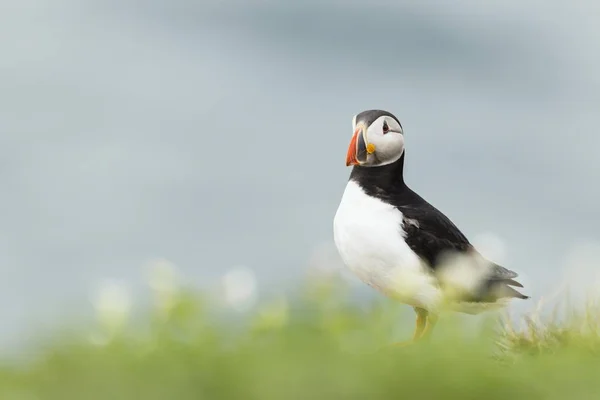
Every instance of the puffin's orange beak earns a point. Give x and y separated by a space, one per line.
357 150
352 150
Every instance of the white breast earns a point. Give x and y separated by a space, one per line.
369 237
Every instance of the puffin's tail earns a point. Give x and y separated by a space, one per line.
500 285
500 289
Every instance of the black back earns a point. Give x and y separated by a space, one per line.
430 234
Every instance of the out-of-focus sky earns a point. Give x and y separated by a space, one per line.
213 134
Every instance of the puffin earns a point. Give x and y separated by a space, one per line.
402 246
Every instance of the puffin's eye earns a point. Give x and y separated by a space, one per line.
386 128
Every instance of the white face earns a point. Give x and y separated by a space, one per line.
380 143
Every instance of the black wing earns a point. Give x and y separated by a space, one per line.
430 234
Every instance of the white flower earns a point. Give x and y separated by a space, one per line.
163 276
163 279
113 304
240 288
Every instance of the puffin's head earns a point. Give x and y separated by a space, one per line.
378 139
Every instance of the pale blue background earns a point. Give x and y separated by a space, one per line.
213 134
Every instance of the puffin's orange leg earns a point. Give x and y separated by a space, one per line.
431 321
421 328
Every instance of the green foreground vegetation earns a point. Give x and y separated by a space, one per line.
318 346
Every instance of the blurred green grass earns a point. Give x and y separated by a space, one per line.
318 345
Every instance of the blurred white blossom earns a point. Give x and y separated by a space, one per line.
240 288
112 301
163 275
164 280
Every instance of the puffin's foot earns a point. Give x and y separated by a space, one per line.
423 327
